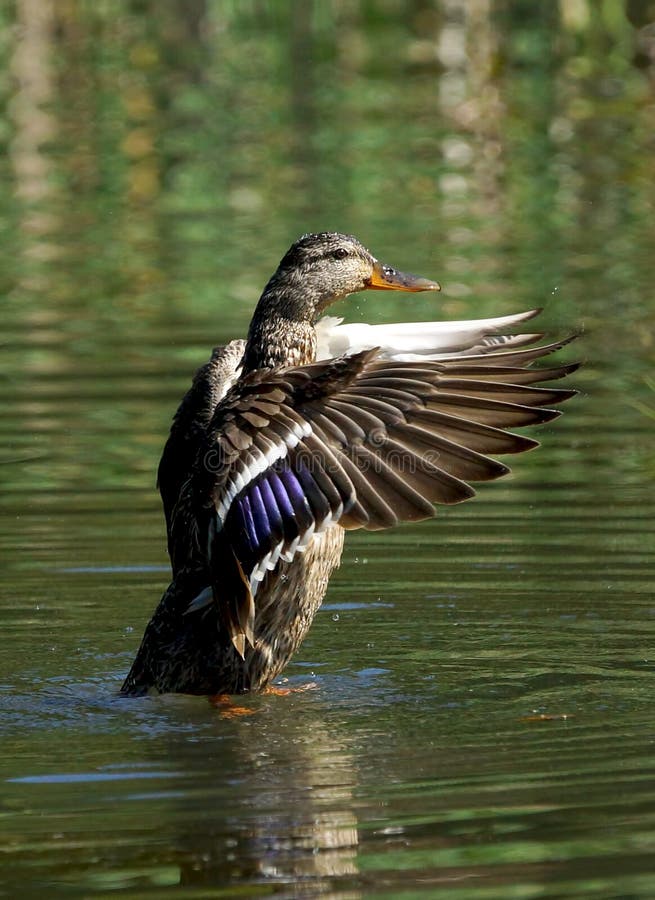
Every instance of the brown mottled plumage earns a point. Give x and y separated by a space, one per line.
305 431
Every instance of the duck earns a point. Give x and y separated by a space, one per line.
307 429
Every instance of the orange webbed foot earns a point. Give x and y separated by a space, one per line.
278 691
227 707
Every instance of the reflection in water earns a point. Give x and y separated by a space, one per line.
34 125
278 806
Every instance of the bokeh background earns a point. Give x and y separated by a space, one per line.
482 725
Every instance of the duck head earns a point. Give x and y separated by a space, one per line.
316 270
319 269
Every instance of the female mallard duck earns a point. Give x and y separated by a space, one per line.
305 430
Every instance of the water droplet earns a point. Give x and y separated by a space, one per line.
335 617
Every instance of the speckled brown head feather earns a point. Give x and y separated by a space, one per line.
317 270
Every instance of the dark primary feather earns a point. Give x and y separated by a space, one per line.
356 441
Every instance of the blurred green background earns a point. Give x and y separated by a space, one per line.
160 157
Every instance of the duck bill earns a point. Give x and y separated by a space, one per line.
384 278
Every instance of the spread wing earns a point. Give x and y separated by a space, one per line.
359 441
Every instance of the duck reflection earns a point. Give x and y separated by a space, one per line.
271 799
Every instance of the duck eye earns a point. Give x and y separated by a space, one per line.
340 253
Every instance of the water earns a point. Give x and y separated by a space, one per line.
480 718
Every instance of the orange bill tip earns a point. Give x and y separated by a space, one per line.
384 278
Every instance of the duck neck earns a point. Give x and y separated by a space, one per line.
281 334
